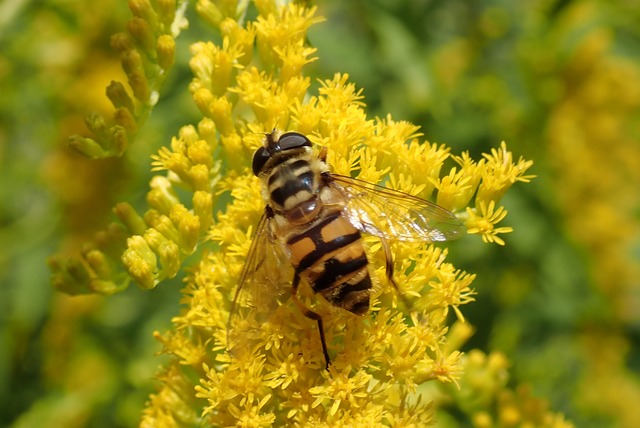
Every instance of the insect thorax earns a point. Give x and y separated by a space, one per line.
292 186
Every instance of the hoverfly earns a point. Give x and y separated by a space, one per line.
314 219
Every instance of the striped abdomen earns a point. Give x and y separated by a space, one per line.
330 256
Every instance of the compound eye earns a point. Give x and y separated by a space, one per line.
260 158
293 140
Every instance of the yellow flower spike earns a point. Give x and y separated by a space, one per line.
231 224
96 269
470 166
140 262
203 98
500 173
146 52
198 150
418 414
170 260
253 86
429 330
484 222
202 64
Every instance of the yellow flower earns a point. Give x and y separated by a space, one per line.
499 173
484 221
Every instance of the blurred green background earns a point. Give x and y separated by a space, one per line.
558 80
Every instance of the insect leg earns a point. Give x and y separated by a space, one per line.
312 315
323 154
389 269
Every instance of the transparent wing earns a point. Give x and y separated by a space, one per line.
263 280
395 215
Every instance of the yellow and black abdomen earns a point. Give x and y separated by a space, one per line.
330 256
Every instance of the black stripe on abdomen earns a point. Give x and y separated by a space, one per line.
322 249
334 270
353 295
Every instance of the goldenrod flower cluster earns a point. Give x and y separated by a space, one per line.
266 367
273 371
147 52
593 134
